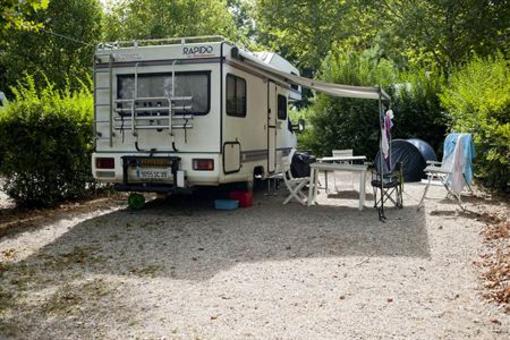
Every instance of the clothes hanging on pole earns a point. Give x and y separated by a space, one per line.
386 133
385 144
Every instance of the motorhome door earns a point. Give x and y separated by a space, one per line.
271 125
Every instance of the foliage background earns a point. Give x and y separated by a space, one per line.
478 99
136 19
343 123
444 62
61 49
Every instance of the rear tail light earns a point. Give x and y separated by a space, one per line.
203 164
105 163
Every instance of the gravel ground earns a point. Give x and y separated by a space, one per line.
180 269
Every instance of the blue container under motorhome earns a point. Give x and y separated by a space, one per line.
226 204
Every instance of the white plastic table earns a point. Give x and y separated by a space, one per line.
315 168
339 159
342 159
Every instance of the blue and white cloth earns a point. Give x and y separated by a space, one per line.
458 155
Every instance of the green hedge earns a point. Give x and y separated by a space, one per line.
417 107
478 100
46 144
345 123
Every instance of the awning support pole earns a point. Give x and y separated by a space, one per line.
382 217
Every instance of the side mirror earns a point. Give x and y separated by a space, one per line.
300 126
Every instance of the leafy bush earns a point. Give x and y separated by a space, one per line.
478 100
417 107
46 144
344 123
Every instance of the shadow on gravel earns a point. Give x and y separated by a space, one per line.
185 238
349 194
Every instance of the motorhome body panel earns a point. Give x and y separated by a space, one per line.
234 146
206 127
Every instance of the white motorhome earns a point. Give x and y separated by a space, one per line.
189 112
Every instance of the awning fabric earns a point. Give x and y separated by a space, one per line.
336 90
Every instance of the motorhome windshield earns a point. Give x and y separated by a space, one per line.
194 84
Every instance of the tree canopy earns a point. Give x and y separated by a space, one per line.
61 48
302 30
56 36
445 32
152 19
436 32
15 14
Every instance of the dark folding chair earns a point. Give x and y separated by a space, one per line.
391 188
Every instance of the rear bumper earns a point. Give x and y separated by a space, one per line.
117 175
173 163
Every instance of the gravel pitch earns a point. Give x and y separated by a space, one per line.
180 269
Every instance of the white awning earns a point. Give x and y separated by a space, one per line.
336 90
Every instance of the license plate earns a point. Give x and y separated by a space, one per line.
153 174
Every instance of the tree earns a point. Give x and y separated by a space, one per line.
242 11
302 31
14 14
62 50
441 32
151 19
344 123
409 32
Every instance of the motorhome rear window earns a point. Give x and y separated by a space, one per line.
282 107
236 96
194 84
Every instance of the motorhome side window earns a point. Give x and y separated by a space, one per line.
194 84
282 107
236 96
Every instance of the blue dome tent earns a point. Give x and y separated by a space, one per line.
413 154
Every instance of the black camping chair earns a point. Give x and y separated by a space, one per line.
391 188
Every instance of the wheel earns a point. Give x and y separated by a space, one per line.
136 201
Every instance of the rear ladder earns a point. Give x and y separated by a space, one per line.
152 118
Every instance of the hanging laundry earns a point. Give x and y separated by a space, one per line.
388 119
385 145
386 133
458 155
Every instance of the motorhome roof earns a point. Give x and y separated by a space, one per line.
165 41
210 46
190 45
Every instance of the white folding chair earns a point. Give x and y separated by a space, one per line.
444 173
344 177
342 153
294 185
